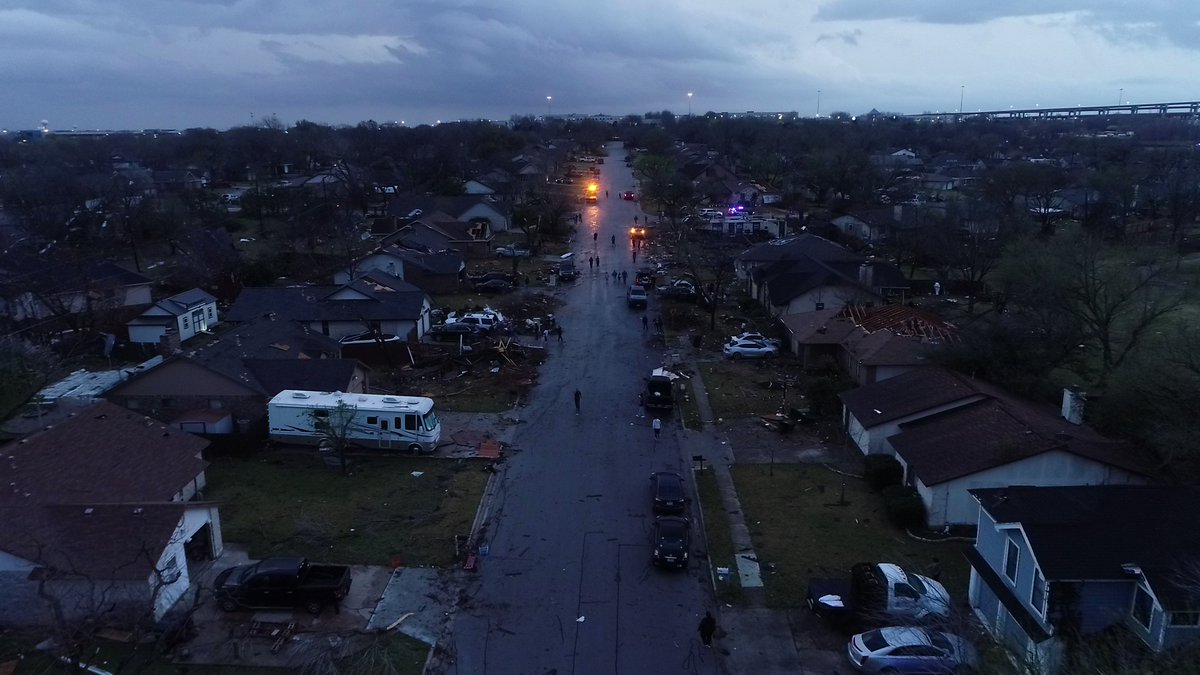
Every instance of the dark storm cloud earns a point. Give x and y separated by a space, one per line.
849 37
1177 21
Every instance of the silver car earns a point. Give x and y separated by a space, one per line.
902 649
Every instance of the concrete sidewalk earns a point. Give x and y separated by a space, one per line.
755 639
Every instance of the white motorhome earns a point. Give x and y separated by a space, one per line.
370 420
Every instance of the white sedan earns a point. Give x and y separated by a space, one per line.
756 337
749 349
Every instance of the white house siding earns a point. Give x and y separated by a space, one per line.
193 522
832 297
949 503
858 434
491 214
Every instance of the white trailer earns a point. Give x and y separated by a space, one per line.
369 420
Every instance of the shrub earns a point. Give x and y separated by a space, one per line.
904 506
882 471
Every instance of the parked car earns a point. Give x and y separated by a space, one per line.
667 492
750 349
281 582
488 276
672 540
513 251
636 296
680 288
904 649
451 332
487 320
493 286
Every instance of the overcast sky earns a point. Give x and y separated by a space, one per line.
129 64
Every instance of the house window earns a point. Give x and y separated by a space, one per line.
185 322
1037 596
1143 607
1185 619
170 572
1011 554
210 311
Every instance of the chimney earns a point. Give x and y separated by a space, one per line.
866 274
168 344
1072 405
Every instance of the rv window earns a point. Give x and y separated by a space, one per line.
320 414
383 424
411 423
399 423
372 420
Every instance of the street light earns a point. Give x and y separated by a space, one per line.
818 103
689 104
961 90
548 98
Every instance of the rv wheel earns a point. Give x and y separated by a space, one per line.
414 449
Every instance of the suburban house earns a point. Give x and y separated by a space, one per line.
880 224
808 273
186 314
466 208
376 301
1052 566
951 433
223 387
431 271
179 180
438 232
869 343
37 287
103 519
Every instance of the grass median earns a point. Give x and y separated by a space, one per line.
718 537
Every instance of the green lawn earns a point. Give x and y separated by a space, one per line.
288 501
801 525
734 388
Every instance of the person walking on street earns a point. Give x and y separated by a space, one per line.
591 262
635 255
624 277
657 426
577 397
707 628
645 323
614 241
558 330
597 262
545 335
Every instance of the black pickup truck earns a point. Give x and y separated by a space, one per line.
282 582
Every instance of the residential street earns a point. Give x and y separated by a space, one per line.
567 585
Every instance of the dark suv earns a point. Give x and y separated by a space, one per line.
672 541
668 492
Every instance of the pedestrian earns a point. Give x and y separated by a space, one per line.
707 628
635 255
641 398
645 323
558 329
624 276
545 335
658 323
591 262
614 276
594 235
597 262
577 397
657 426
614 241
635 220
606 194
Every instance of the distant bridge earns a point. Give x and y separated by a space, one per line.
1191 108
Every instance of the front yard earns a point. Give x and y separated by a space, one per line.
807 521
389 510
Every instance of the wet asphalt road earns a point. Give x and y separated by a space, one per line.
567 586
